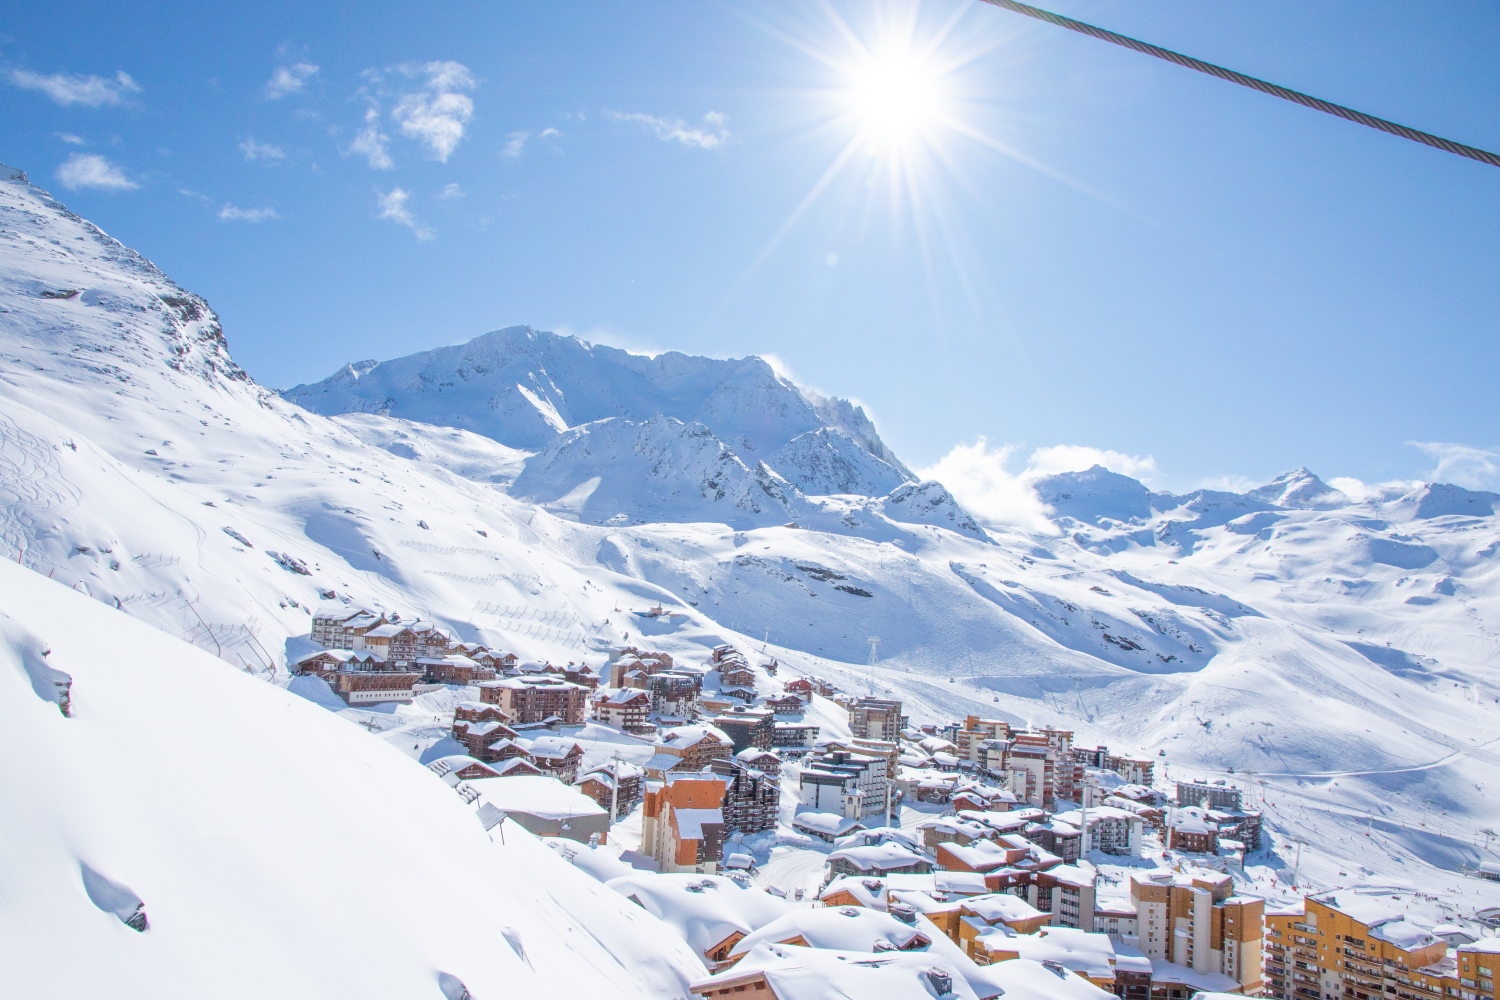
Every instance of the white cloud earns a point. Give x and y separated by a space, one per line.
370 143
436 114
232 213
549 133
89 170
72 88
516 142
260 150
288 79
1355 489
676 131
979 477
393 208
451 191
71 139
1462 464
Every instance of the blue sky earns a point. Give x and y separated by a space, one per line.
983 227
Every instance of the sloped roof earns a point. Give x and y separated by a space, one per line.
842 928
705 909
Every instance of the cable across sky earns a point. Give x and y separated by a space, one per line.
1285 93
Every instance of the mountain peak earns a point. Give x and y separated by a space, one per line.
523 387
1300 489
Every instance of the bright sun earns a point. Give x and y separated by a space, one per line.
893 94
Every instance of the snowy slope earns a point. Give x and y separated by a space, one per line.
277 850
1350 656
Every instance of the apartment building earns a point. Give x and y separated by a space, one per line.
853 785
970 739
747 727
1341 944
625 708
876 719
752 798
536 698
1110 830
682 823
1207 794
1193 919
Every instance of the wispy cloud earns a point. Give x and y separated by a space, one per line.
1462 464
233 213
436 114
71 139
260 150
549 133
979 477
371 143
289 79
514 143
393 209
450 192
90 170
74 88
675 130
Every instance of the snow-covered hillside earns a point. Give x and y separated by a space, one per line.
260 846
1347 652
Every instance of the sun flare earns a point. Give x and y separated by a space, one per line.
894 94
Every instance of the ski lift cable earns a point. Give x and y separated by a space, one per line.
1285 93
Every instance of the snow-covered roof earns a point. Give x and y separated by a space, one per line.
549 747
868 891
982 854
952 883
536 795
705 909
483 728
662 762
842 928
1485 946
1074 875
879 857
795 973
602 861
683 737
624 696
880 835
826 824
1001 907
1075 950
385 632
1206 982
1403 934
690 822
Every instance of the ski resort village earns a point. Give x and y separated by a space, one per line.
779 823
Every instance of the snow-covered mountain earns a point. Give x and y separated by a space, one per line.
1346 652
525 388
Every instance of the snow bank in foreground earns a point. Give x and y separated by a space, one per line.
189 831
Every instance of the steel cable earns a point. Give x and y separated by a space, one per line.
1285 93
